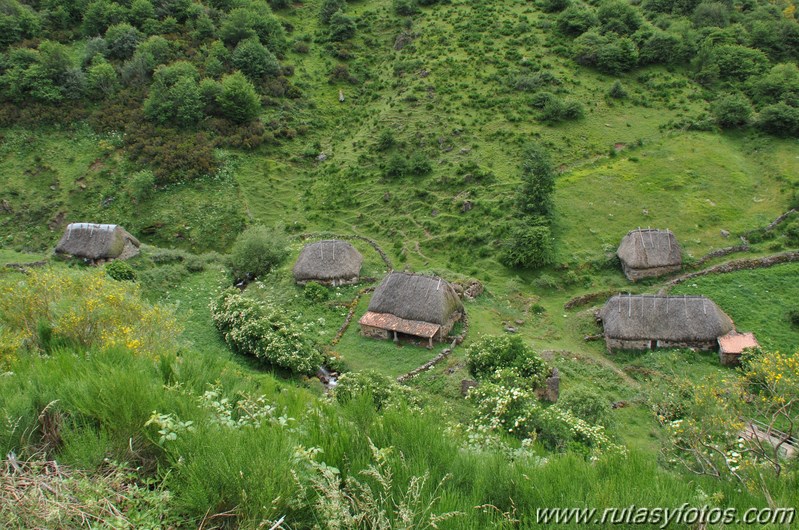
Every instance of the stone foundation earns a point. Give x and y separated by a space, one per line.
637 274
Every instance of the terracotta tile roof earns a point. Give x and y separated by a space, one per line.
735 342
394 323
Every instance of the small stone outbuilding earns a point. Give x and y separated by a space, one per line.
649 252
733 344
412 305
644 322
331 262
97 242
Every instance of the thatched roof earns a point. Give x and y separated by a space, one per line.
328 260
97 241
416 297
648 248
670 318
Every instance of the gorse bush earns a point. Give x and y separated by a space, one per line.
588 405
84 309
264 331
257 250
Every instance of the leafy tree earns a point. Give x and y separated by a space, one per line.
617 55
329 8
101 79
528 245
780 84
140 12
619 17
257 250
658 47
174 95
711 14
538 182
254 60
779 119
554 6
342 27
95 47
617 90
245 23
737 63
122 40
577 19
100 15
238 99
406 8
17 22
217 58
731 110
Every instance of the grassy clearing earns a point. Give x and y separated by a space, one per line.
757 300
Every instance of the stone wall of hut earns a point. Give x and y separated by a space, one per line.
332 283
447 327
637 274
375 333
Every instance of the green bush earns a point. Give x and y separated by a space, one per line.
175 95
528 245
265 332
316 292
382 390
120 271
342 27
254 60
122 40
577 19
492 354
587 404
238 99
406 8
617 90
256 251
731 110
779 119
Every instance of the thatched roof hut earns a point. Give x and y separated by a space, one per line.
649 252
97 242
641 322
412 304
336 262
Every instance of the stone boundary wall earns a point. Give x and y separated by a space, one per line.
441 356
735 265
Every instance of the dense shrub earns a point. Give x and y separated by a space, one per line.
577 19
587 404
779 119
781 83
257 250
538 181
120 271
173 156
619 16
238 100
617 90
264 331
329 8
608 53
252 58
733 62
406 8
528 246
490 355
102 80
731 110
175 95
315 292
84 309
383 390
342 27
122 40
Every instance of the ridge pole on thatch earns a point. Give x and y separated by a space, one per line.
439 284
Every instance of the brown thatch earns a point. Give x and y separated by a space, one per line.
649 249
416 297
328 261
97 241
673 319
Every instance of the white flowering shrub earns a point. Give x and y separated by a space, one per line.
264 331
383 390
505 357
517 412
246 411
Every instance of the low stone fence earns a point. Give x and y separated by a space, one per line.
441 356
